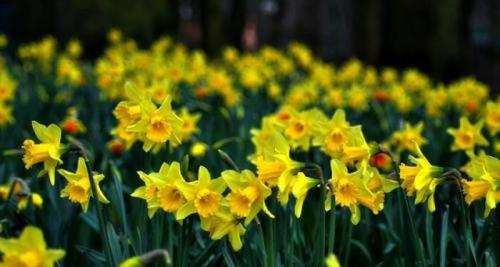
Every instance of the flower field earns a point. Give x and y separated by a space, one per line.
161 156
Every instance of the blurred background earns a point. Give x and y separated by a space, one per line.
446 39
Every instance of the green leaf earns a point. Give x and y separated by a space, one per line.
97 258
443 241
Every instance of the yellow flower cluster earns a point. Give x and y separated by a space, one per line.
49 152
140 119
337 138
221 214
42 52
64 65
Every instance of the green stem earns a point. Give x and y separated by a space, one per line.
322 223
331 232
271 252
315 170
348 244
415 238
261 239
417 245
102 222
466 224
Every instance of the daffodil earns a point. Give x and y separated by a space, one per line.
5 114
28 250
460 93
224 223
248 194
358 98
302 127
160 189
128 112
157 125
49 151
189 125
484 172
421 179
69 72
78 190
274 163
203 196
8 85
468 135
375 181
300 187
338 139
356 148
74 48
169 196
405 139
334 134
351 190
261 137
436 101
492 117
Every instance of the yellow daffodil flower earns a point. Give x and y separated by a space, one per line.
160 189
351 190
274 163
492 117
468 135
405 139
224 223
169 196
300 187
189 126
248 194
421 178
157 125
28 250
49 151
484 172
203 196
301 127
78 190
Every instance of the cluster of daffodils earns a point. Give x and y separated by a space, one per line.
221 214
65 65
141 119
354 181
292 77
49 152
299 150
